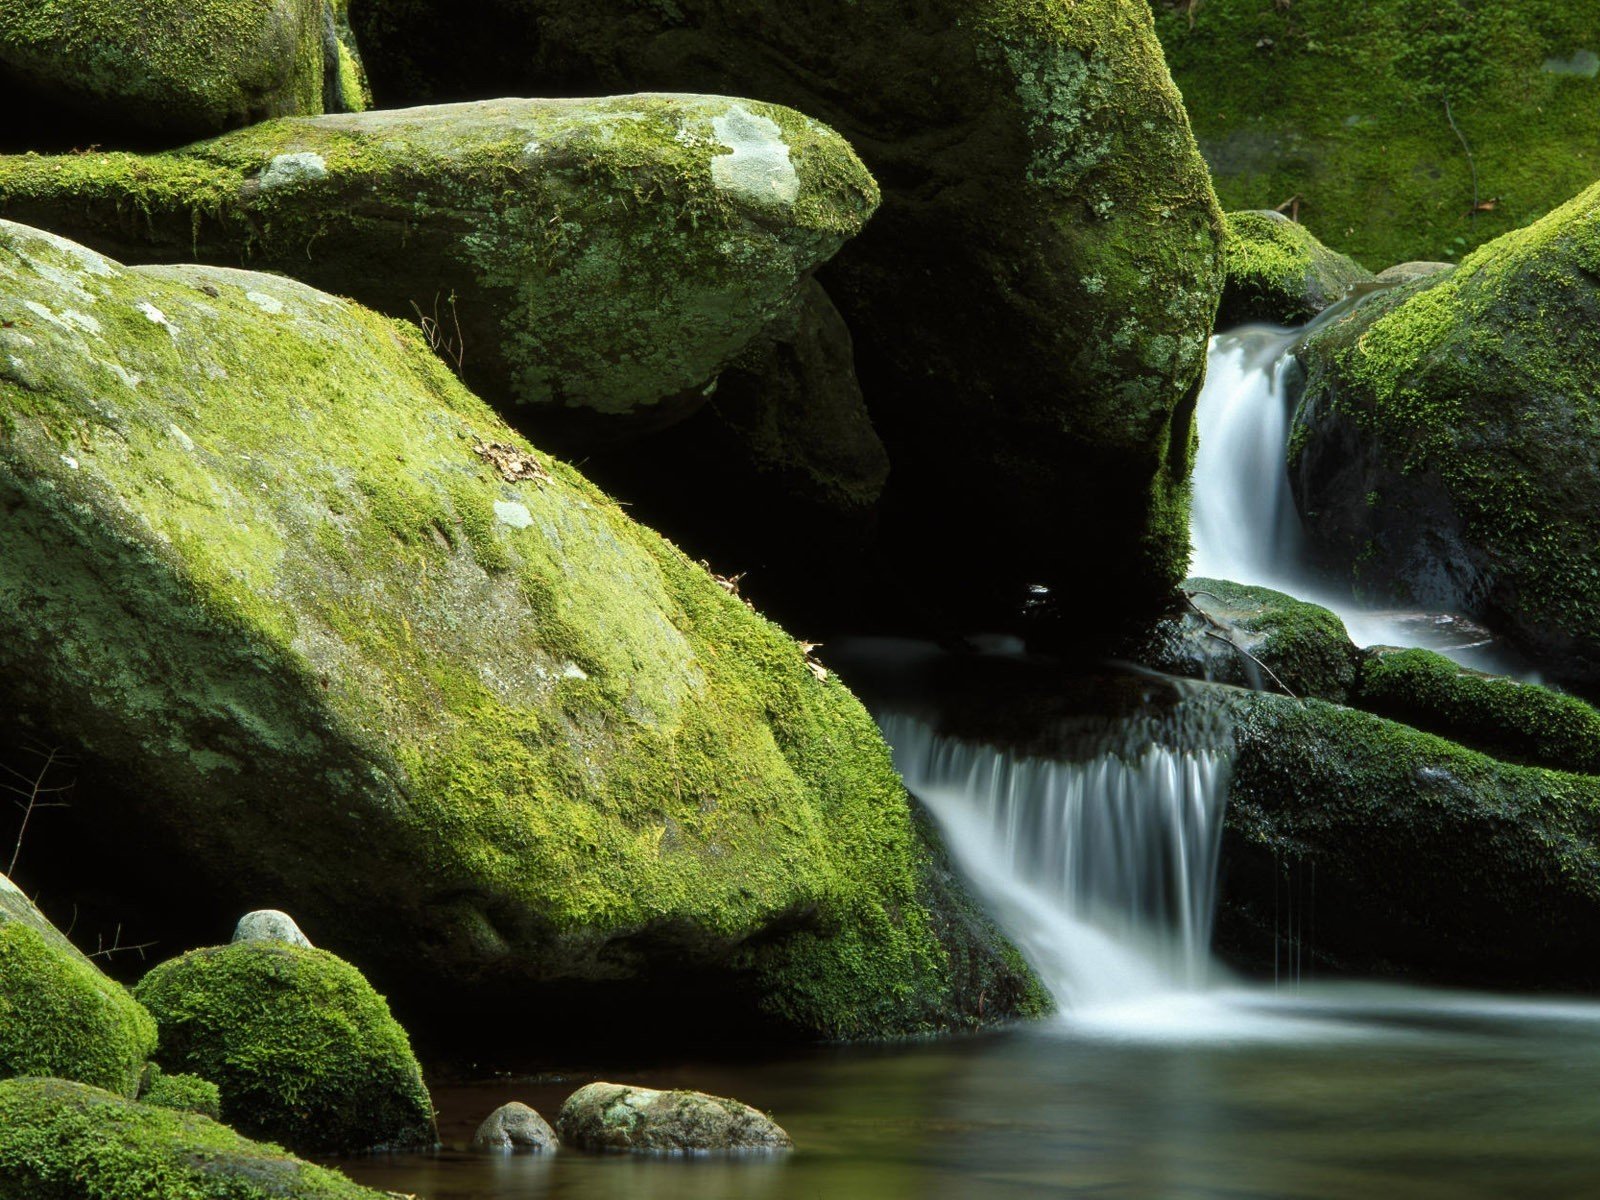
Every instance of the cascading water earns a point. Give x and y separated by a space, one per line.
1244 525
1104 871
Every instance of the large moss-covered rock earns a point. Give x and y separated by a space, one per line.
167 71
1360 844
59 1015
1031 304
66 1141
302 1049
599 259
1445 448
640 1120
1517 721
1341 108
1276 271
1254 636
296 591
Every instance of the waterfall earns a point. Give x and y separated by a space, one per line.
1103 871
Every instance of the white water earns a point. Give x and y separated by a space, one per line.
1244 526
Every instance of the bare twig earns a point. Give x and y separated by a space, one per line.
1230 642
32 792
1472 214
451 348
116 947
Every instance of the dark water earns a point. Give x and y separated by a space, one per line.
1356 1094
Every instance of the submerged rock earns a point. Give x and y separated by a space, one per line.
598 260
515 1126
614 1116
59 1014
379 619
66 1141
164 71
270 925
1030 306
1445 452
303 1051
1278 272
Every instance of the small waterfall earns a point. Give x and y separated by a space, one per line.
1103 871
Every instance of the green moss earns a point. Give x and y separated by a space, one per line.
1409 852
59 1015
65 1141
169 69
1276 271
491 218
1471 402
1514 721
560 744
1343 107
181 1093
301 1048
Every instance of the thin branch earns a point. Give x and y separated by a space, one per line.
104 951
1230 642
34 803
1472 214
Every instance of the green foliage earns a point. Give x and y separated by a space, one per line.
65 1141
59 1015
301 1048
181 1093
1342 105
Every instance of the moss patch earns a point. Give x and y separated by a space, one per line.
1278 272
65 1141
1343 105
181 1093
301 1048
59 1015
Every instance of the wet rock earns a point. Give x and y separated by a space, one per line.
1410 272
515 1126
270 925
612 1116
1278 272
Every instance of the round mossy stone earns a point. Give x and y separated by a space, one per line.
302 1049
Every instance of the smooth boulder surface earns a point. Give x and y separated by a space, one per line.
591 263
380 620
163 72
1278 272
614 1116
59 1014
270 925
67 1141
301 1048
1446 448
1030 306
512 1127
1338 110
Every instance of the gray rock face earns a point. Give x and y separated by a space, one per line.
270 925
615 1116
515 1126
1409 272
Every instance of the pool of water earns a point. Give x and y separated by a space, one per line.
1332 1093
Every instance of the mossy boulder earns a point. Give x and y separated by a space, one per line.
271 569
1277 271
1358 844
1255 637
301 1048
67 1141
593 261
616 1116
59 1014
93 72
181 1093
1444 451
1030 306
1515 721
1341 108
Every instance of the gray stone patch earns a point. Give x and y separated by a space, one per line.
759 169
513 514
270 925
294 168
1585 64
